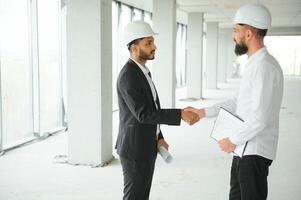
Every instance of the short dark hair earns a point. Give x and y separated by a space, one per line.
260 32
133 42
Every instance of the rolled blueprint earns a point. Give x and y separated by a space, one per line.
167 157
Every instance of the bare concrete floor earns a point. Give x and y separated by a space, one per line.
200 171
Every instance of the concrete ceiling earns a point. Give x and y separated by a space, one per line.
285 13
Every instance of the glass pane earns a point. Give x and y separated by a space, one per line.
137 15
115 40
121 16
120 51
15 72
287 50
148 17
49 65
125 18
184 55
178 55
181 55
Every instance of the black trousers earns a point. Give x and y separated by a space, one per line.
249 178
137 178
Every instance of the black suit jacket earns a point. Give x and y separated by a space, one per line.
138 115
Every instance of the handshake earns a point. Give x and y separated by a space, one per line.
192 115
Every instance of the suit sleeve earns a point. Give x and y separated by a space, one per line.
135 98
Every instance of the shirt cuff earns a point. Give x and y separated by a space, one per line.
235 140
210 112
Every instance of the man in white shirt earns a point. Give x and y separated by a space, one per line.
257 103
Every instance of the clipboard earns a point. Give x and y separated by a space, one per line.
226 125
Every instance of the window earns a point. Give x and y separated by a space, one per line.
22 76
287 50
137 14
121 16
49 65
16 85
147 17
115 43
181 55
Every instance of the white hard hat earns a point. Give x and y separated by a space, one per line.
135 30
255 15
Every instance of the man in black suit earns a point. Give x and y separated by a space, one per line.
140 114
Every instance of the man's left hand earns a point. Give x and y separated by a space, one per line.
226 145
163 143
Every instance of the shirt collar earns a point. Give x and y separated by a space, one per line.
144 69
255 55
258 52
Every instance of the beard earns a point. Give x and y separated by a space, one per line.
145 56
240 49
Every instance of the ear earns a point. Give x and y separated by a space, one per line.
249 34
133 48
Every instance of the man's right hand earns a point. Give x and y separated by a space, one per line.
201 112
189 117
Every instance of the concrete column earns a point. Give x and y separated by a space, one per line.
1 111
222 56
194 55
89 79
164 65
211 55
230 55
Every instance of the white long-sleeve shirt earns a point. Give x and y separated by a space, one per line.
258 103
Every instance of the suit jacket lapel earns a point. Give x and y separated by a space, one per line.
141 74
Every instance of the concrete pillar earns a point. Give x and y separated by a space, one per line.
211 55
222 56
230 55
195 55
164 65
89 79
1 120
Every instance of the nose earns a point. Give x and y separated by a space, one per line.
155 47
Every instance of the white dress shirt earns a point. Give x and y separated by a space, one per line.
258 103
146 72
